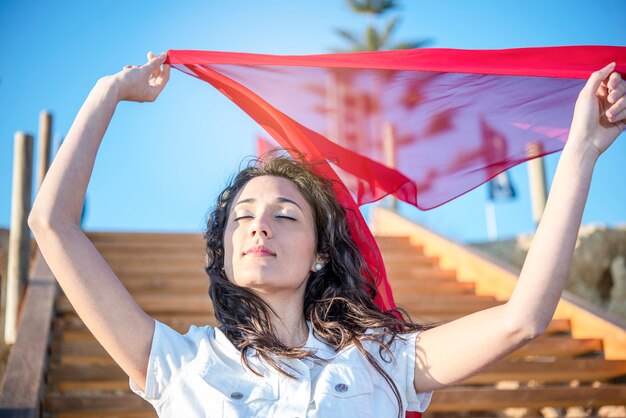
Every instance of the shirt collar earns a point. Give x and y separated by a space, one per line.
322 350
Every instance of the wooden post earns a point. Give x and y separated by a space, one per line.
21 389
19 235
389 149
537 181
45 134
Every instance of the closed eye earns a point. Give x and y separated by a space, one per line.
250 216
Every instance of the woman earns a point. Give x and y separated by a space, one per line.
299 335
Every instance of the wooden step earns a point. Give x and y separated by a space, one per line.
197 244
417 260
418 273
169 286
444 303
445 400
409 275
141 414
157 303
484 399
432 287
143 237
179 322
110 249
393 243
559 326
382 239
97 404
546 346
71 347
405 257
171 269
402 251
558 371
197 276
156 260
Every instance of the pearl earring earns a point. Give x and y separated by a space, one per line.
318 266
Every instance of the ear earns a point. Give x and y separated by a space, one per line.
320 261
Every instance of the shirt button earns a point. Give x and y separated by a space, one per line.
341 387
236 395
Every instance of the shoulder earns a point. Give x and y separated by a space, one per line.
395 342
171 347
395 354
193 338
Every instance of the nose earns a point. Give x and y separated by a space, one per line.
260 225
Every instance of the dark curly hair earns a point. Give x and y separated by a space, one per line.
338 299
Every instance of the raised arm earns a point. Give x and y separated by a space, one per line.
100 299
455 351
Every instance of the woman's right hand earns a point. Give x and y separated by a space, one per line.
141 83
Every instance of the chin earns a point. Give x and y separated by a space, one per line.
259 277
265 282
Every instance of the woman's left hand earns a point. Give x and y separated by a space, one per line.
600 112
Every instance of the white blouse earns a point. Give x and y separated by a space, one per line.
200 374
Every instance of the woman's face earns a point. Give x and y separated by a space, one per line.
270 238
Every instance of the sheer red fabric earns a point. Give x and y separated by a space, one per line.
423 125
457 117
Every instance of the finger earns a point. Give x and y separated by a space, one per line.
165 74
619 120
595 80
616 112
163 78
156 71
603 90
156 62
614 81
617 91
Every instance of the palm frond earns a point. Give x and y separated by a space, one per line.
390 27
349 36
374 7
413 44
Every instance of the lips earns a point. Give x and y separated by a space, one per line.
260 251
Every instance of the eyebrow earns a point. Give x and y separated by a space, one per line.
279 199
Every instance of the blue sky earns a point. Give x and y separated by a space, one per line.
162 164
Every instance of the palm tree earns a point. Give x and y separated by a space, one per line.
375 39
350 113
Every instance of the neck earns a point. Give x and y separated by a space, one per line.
288 318
293 332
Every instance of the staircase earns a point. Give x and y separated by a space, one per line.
165 275
554 370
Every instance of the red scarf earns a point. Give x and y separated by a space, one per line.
458 117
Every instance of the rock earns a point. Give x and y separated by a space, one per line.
617 303
597 273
